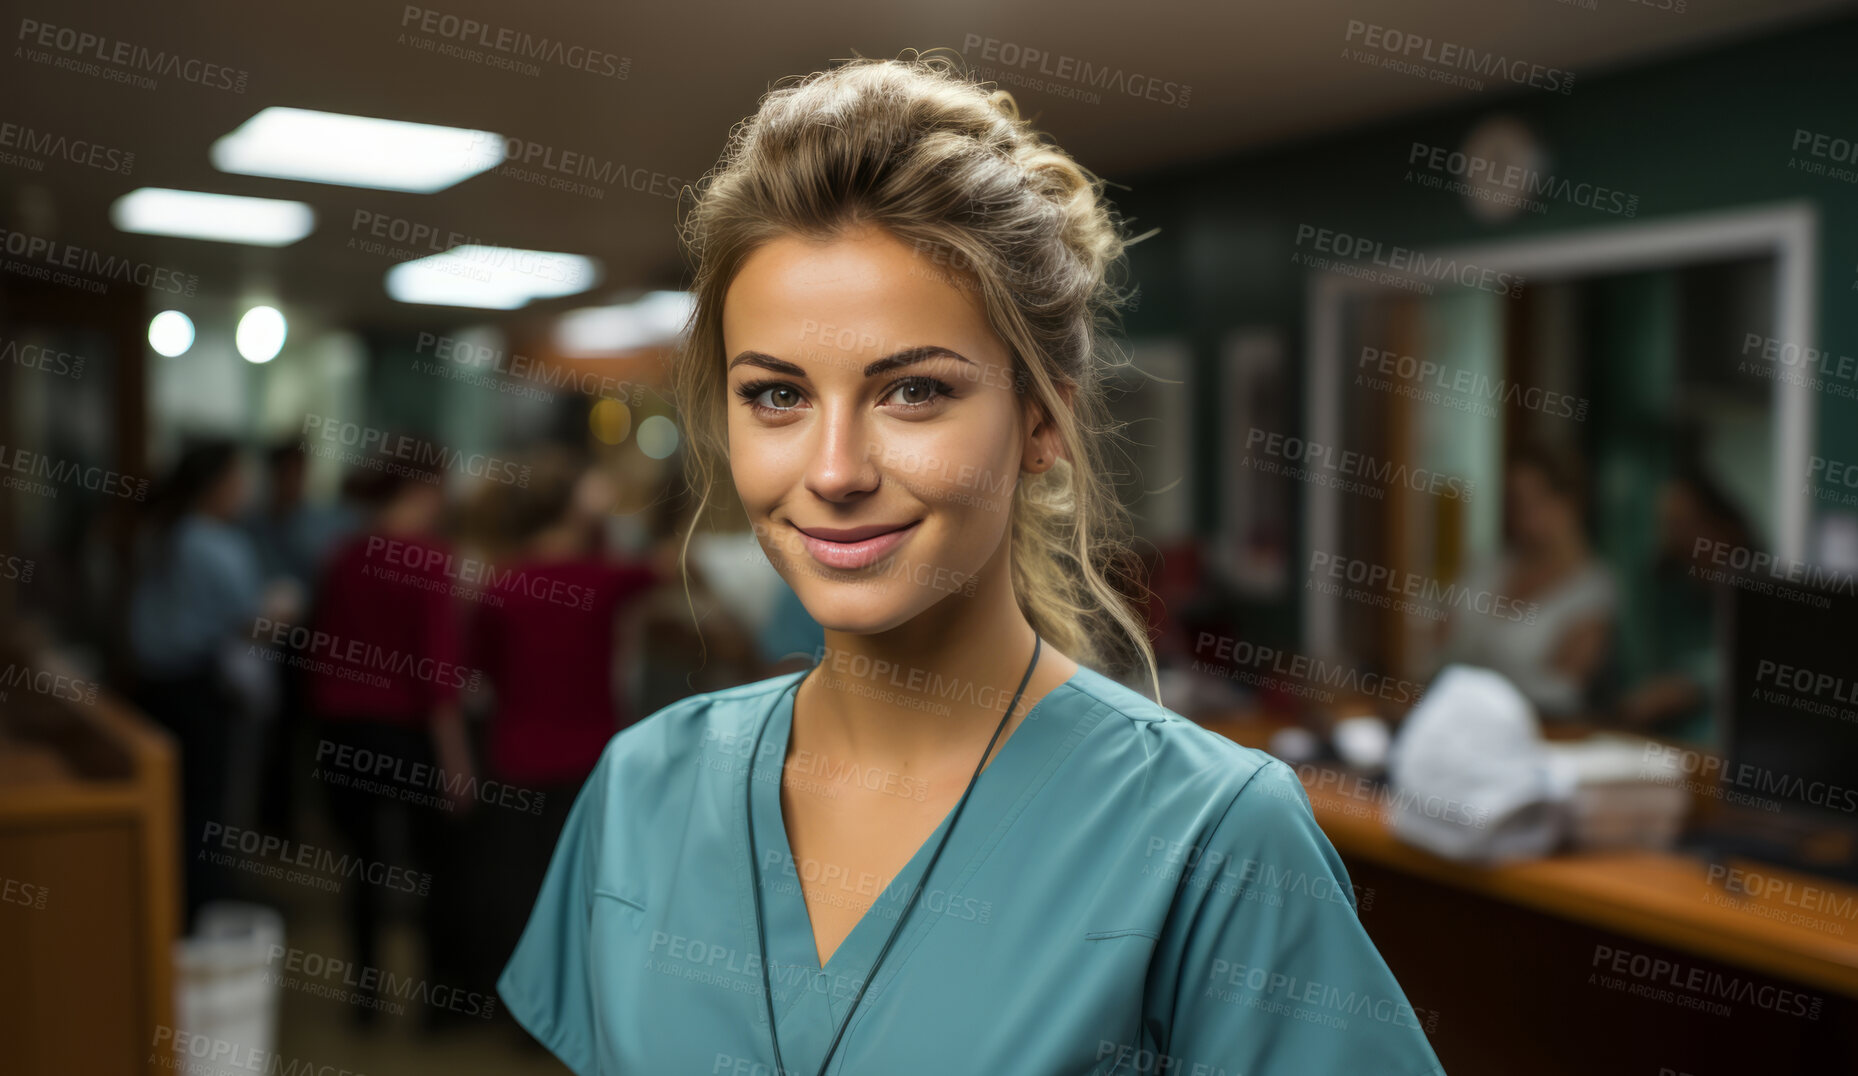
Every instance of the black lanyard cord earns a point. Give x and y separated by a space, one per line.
761 930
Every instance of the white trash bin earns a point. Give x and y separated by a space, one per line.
225 1010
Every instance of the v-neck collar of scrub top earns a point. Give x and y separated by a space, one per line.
810 1001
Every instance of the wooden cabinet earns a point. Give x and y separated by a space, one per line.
89 890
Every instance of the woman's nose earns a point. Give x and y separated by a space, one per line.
844 463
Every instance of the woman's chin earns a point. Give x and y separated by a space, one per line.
855 610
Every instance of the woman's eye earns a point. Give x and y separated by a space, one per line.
917 391
909 394
779 397
770 396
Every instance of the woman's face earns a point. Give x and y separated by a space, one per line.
594 496
1538 515
226 498
875 433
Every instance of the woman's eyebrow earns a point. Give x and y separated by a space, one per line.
912 356
906 357
766 362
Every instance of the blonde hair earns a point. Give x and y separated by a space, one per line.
940 162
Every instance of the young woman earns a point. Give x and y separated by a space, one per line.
953 844
1550 639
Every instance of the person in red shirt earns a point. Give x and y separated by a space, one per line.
557 622
385 676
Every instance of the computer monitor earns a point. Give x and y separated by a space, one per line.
1791 715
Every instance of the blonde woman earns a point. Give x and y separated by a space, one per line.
954 844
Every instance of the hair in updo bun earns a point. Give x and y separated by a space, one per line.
950 167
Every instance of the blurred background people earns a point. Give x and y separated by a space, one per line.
556 634
1551 600
292 536
706 630
388 691
198 591
292 533
1676 697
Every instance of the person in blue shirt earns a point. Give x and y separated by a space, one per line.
200 583
957 842
198 589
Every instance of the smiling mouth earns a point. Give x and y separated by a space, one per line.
854 547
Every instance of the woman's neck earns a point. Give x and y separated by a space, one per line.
929 692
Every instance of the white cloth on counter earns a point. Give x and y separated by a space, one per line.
1472 778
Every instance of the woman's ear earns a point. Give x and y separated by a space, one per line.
1043 445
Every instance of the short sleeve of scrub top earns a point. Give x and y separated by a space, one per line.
1127 893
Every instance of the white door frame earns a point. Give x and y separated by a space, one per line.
1789 232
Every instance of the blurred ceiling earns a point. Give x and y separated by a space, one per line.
1258 73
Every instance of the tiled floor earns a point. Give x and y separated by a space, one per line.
320 1031
319 1034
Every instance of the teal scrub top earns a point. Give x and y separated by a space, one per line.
1127 892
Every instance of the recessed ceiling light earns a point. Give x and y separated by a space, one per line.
171 333
226 218
650 321
261 334
355 151
491 278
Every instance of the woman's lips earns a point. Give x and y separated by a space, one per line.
854 548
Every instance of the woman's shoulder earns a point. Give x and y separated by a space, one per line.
197 531
711 726
214 547
1178 759
1184 800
